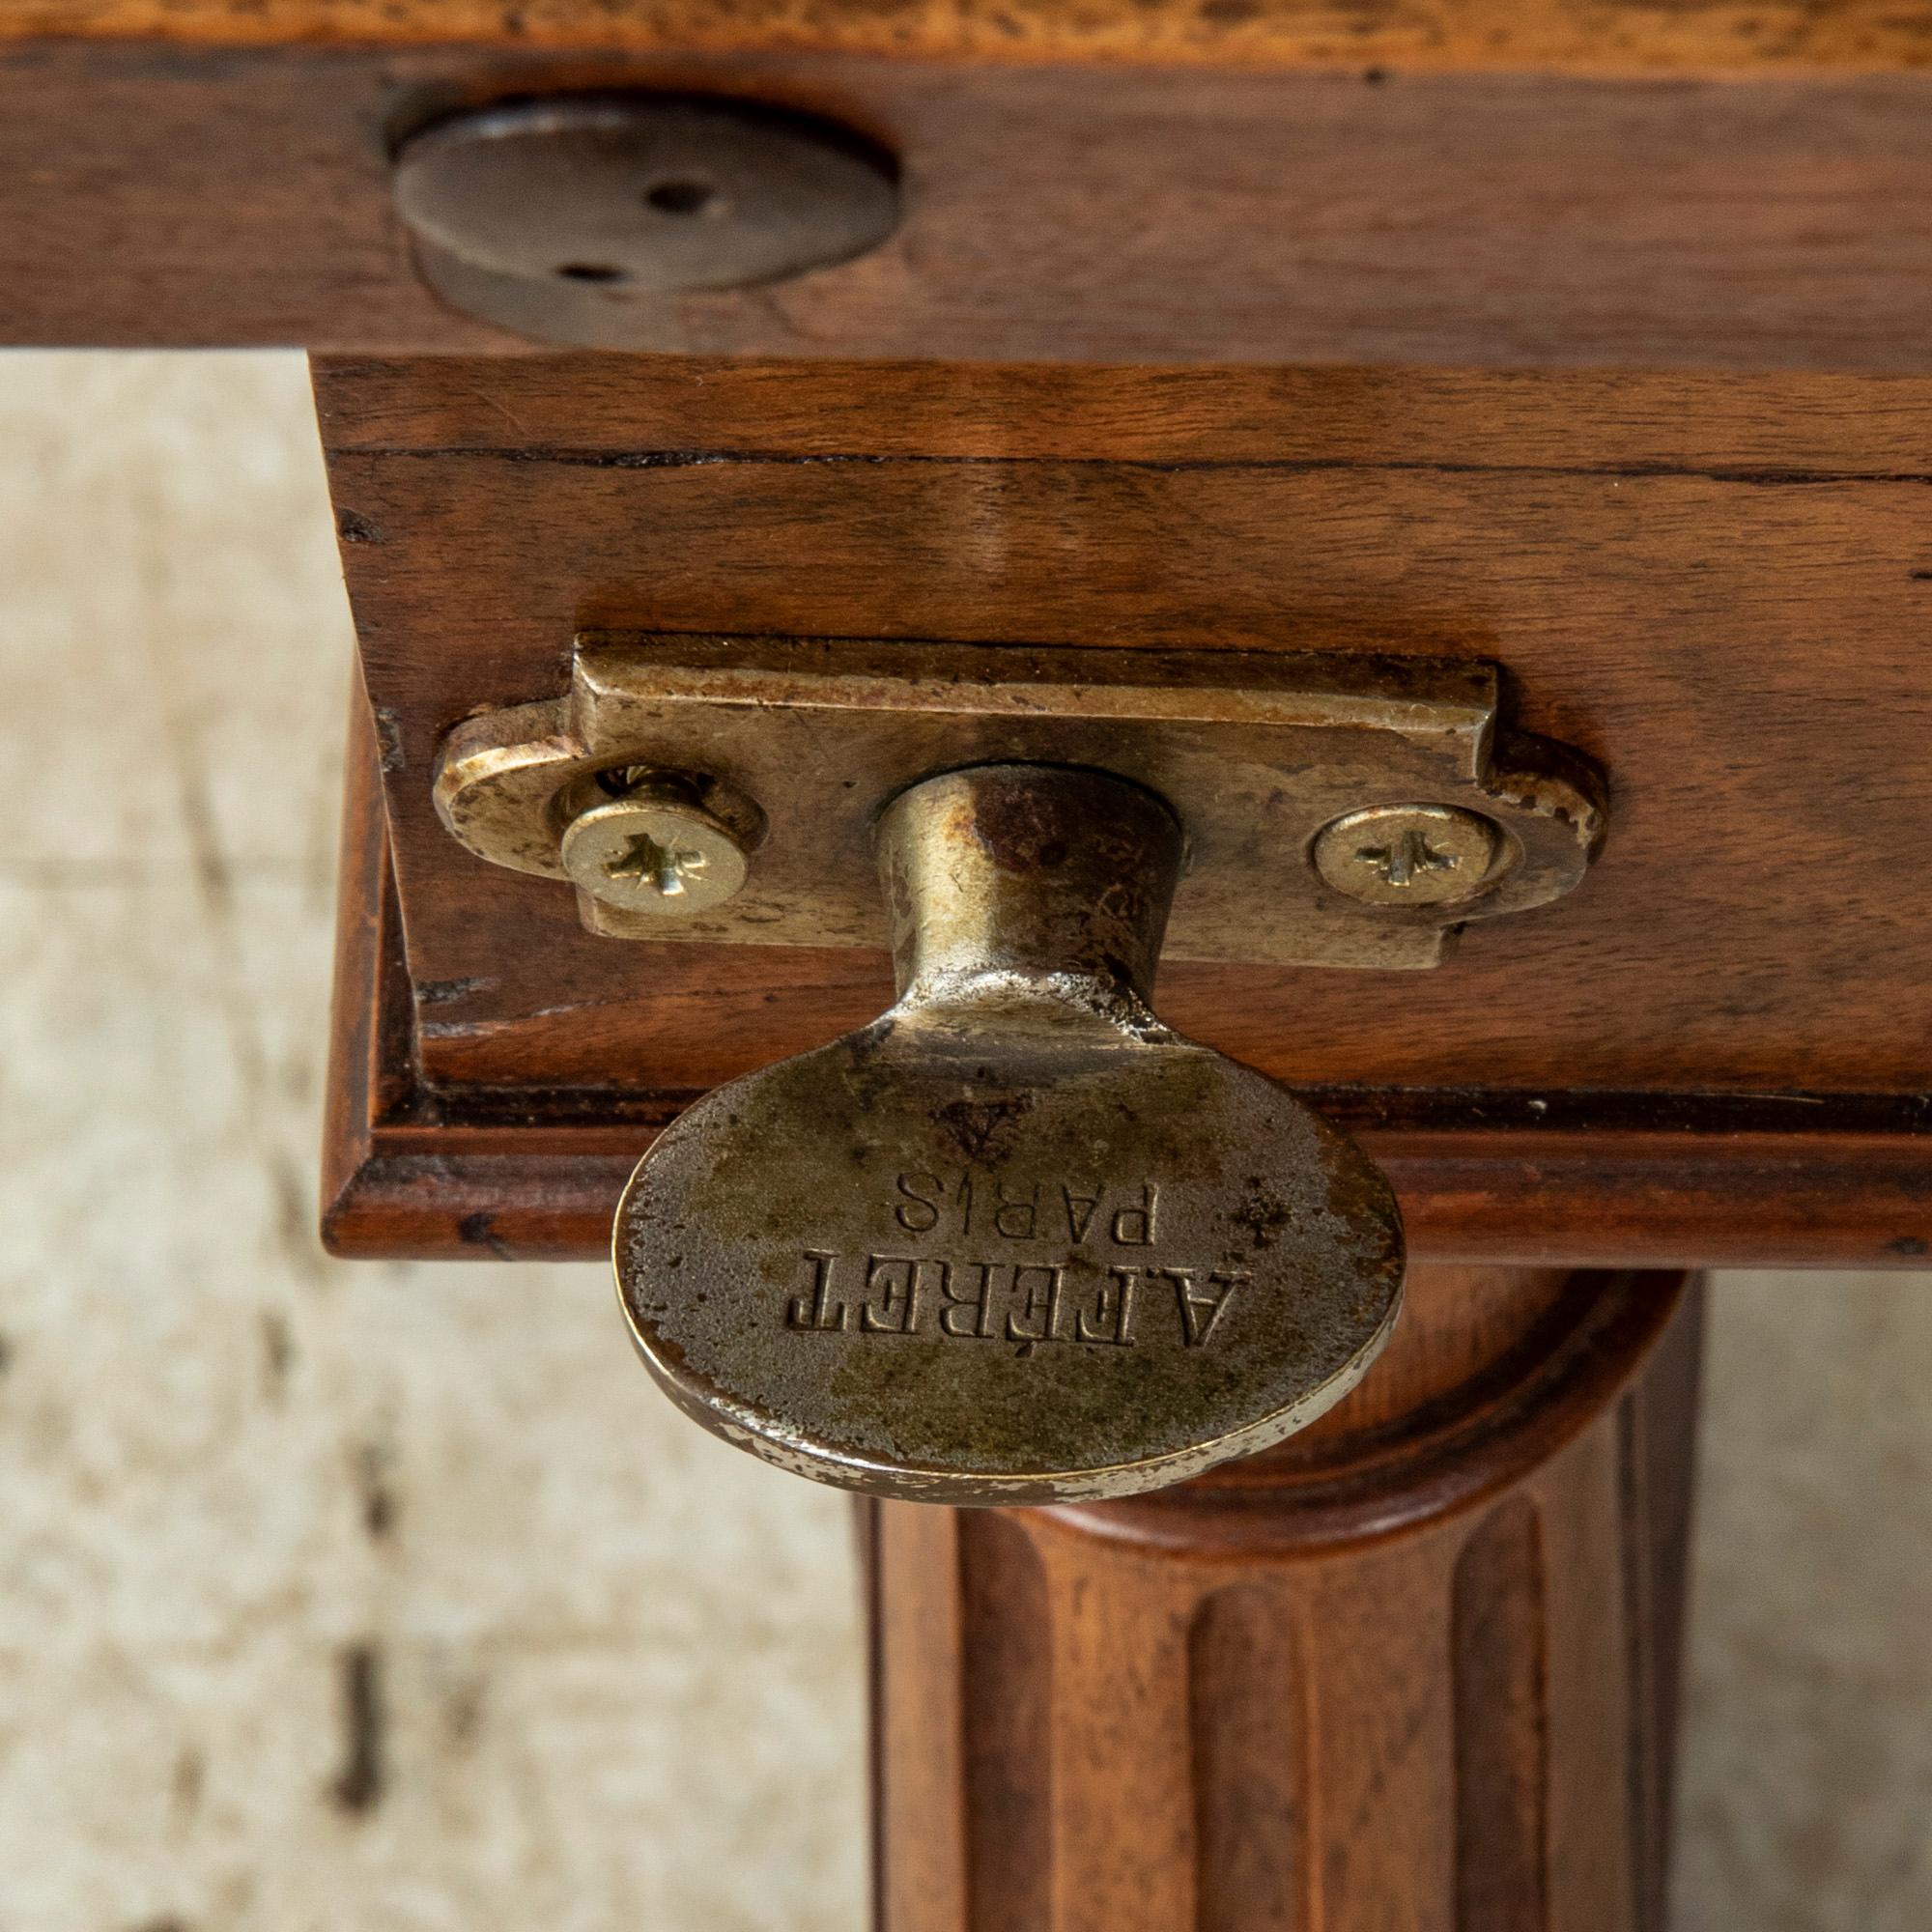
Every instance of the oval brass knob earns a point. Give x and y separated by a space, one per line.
1016 1241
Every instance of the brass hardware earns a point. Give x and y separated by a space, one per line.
1418 855
654 849
1015 1241
571 220
1265 758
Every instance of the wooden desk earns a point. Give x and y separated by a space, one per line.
1588 339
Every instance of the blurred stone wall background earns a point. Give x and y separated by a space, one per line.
392 1598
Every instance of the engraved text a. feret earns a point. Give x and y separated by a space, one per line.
970 1293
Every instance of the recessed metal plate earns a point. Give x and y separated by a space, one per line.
570 219
1257 752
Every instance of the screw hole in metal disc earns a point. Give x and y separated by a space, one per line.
682 197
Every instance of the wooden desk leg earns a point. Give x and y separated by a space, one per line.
1414 1669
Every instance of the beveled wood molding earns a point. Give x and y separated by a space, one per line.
1593 37
412 1171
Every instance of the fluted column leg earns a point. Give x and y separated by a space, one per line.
1413 1672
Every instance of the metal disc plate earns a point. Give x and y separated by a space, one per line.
562 218
1089 1271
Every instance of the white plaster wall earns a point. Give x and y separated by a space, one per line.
612 1667
608 1670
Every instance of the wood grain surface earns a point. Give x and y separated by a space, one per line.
165 193
1583 36
1713 1052
1416 1669
1738 643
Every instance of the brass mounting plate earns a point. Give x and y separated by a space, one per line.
1256 751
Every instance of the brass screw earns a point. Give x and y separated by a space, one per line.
1408 855
655 850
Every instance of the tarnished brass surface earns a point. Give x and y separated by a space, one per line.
654 848
1410 855
1015 1241
1258 754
